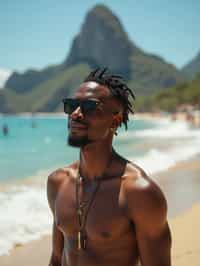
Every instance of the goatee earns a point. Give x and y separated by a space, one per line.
78 141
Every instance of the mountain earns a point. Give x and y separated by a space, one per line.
3 103
193 67
102 41
24 83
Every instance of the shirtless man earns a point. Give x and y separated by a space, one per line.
106 210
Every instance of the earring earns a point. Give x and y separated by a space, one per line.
112 129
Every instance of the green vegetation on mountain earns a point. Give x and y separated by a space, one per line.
23 83
171 99
150 73
49 94
193 67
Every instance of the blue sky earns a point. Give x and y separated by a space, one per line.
38 33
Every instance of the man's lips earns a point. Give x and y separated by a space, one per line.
77 125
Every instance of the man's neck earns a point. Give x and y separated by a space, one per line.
95 159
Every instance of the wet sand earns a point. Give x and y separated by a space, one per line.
35 253
181 185
186 238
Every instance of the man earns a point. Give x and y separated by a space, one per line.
5 130
106 210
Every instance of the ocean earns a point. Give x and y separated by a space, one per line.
36 145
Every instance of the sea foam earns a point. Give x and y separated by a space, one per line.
156 160
183 143
25 216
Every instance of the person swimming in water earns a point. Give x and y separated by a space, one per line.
5 129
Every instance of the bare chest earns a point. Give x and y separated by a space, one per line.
106 217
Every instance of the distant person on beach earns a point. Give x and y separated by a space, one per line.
5 130
33 124
106 210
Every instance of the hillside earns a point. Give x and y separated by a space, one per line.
173 98
24 83
192 69
48 95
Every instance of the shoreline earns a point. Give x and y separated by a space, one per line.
149 116
184 217
145 115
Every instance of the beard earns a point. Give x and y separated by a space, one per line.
78 142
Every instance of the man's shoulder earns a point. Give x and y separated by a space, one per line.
135 178
61 175
56 180
146 203
141 191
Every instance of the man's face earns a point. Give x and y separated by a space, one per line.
95 126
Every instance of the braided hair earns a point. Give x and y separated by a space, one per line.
118 89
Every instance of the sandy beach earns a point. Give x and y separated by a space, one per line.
186 236
181 185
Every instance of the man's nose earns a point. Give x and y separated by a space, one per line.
77 113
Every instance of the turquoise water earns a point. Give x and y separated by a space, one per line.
27 150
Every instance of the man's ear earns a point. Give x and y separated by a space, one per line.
117 120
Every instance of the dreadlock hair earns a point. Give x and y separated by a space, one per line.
118 89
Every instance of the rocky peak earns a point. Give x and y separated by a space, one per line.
101 42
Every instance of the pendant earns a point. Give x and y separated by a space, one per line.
81 240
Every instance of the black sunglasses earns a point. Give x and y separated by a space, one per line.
86 106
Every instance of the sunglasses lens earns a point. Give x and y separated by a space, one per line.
88 106
70 105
